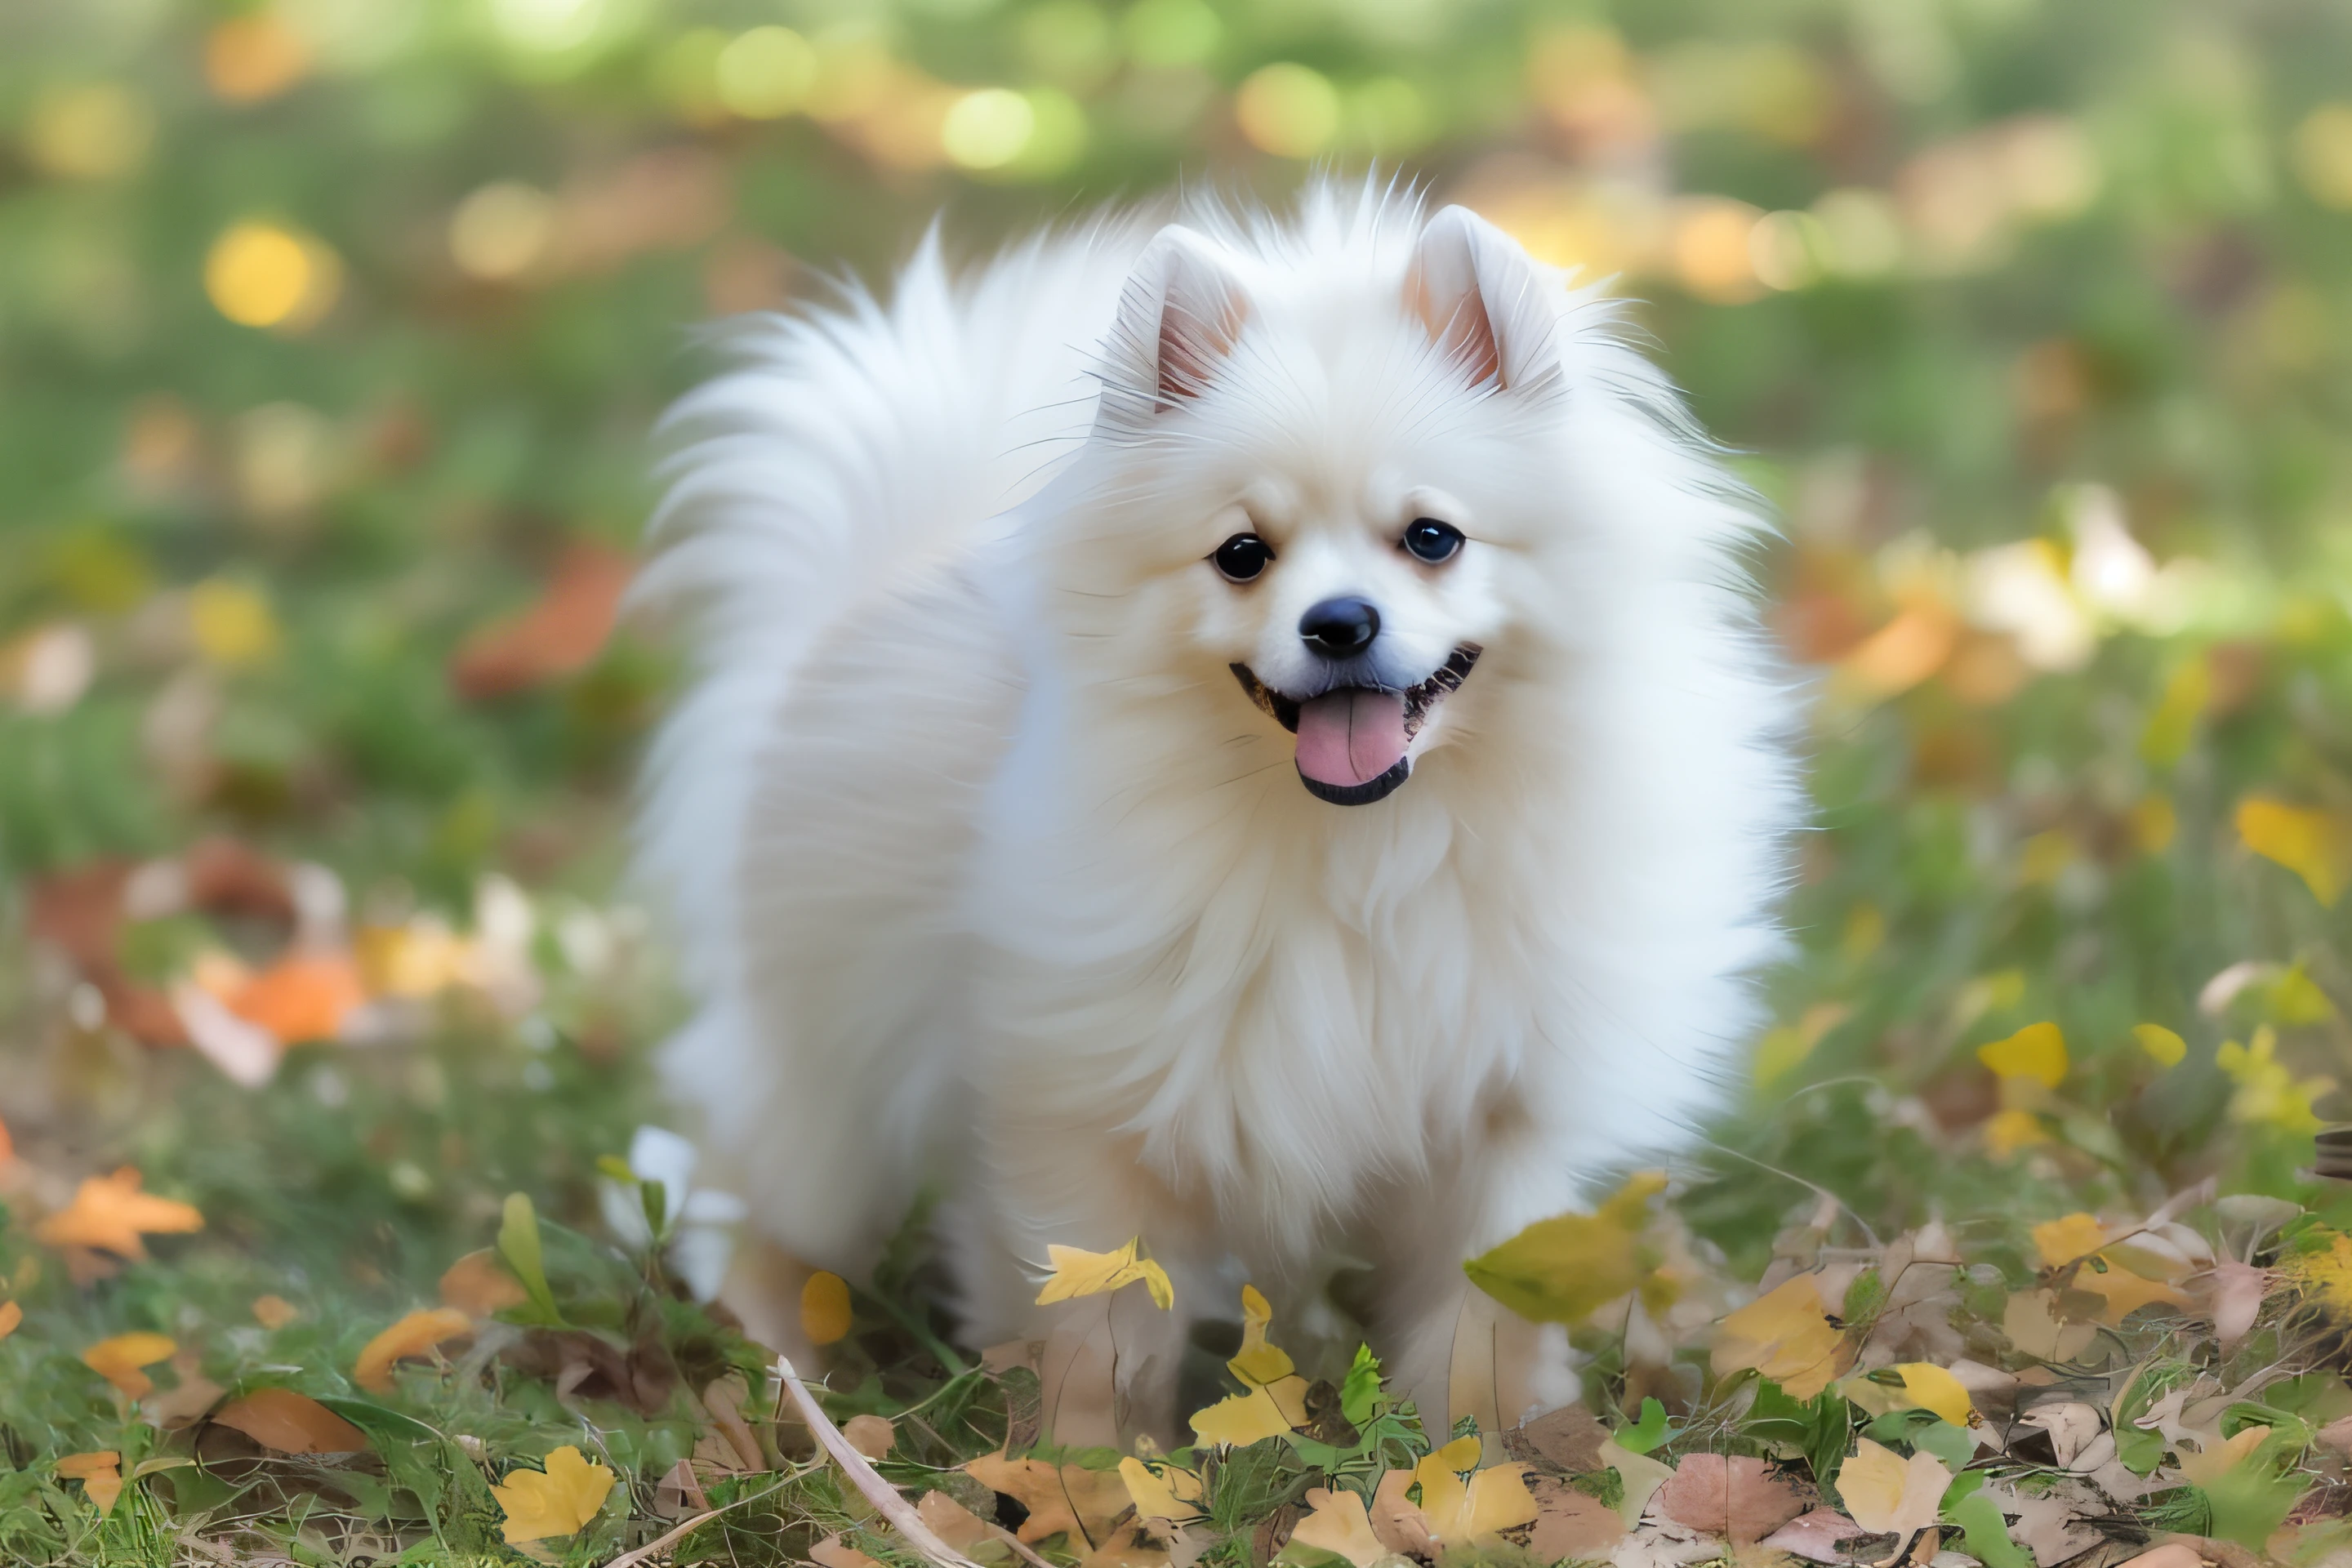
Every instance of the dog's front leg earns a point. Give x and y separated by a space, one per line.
1455 1351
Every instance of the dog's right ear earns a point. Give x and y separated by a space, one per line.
1178 318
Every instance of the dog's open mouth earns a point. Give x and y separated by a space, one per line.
1353 740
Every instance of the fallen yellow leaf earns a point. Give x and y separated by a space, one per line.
110 1213
2007 1132
230 622
1241 1420
2037 1051
1274 1400
273 1312
1164 1492
2061 1241
11 1314
1336 1523
2126 1292
118 1360
556 1501
1459 1509
1077 1272
1785 1336
2314 845
824 1307
2160 1043
1062 1500
1885 1493
99 1473
415 1334
1931 1388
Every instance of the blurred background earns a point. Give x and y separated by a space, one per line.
333 332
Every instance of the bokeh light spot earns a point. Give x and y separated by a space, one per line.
99 131
254 57
548 25
262 275
988 129
1289 111
501 231
2323 154
766 73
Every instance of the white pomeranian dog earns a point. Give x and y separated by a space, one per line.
1251 733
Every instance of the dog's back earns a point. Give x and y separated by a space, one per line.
810 802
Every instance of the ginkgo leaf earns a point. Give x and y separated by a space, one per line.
1932 1388
1336 1523
2160 1043
273 1312
2061 1241
110 1213
2126 1292
2030 1319
1077 1272
824 1307
1165 1492
415 1334
290 1423
556 1501
1885 1492
119 1360
1246 1418
1785 1336
99 1473
11 1314
1561 1270
1061 1498
1489 1500
2038 1051
2314 845
1258 1363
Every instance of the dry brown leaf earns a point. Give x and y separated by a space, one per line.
1739 1497
1815 1536
1059 1497
2049 1526
1128 1547
291 1422
1569 1439
872 1436
2233 1293
1568 1524
723 1398
2032 1320
2171 1555
2073 1426
110 1213
559 636
956 1524
834 1552
417 1334
185 1400
481 1286
274 1312
119 1359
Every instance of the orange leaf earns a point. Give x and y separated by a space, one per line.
291 1422
109 1213
99 1473
11 1315
118 1361
273 1312
302 996
559 636
480 1285
7 1146
415 1334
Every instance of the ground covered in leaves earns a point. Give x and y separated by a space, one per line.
338 1224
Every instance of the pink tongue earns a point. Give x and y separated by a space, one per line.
1350 737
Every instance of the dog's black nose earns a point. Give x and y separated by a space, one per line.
1341 628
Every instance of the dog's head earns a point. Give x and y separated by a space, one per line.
1317 465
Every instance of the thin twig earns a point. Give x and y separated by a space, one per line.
867 1481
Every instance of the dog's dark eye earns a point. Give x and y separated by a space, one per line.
1243 557
1431 541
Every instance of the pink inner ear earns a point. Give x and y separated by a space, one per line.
1459 324
1199 324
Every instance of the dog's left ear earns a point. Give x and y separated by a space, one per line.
1474 288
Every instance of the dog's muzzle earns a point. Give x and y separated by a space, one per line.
1354 742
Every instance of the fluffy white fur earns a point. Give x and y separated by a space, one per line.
987 872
